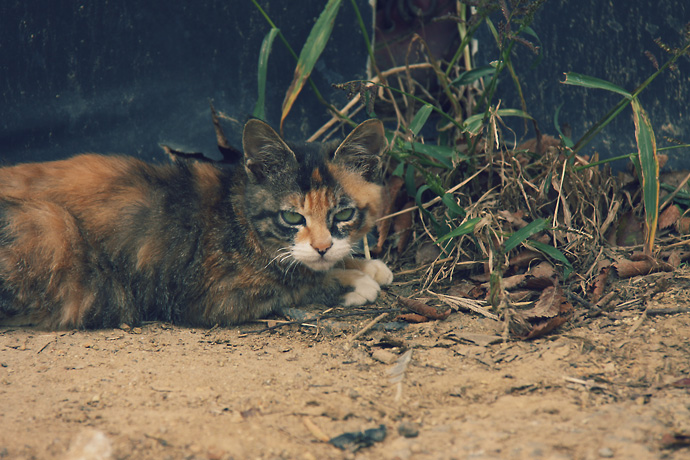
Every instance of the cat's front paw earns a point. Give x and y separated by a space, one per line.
364 288
375 268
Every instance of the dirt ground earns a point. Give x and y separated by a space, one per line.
600 387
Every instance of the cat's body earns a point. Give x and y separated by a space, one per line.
96 241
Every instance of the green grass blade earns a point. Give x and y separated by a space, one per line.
463 229
453 207
577 79
473 75
566 140
420 119
311 51
266 47
554 254
525 232
649 169
474 123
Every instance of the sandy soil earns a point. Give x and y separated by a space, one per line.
597 388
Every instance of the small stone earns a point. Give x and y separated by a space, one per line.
408 429
136 330
605 452
384 356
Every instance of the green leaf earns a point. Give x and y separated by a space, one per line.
420 119
470 76
554 254
577 79
266 46
311 51
566 140
463 229
649 168
440 153
525 232
474 123
453 207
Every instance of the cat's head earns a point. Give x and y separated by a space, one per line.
310 203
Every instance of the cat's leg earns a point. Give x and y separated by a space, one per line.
365 277
364 289
372 267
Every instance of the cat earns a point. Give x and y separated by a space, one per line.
96 241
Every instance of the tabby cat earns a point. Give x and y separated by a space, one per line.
96 241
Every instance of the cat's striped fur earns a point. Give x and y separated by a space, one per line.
96 241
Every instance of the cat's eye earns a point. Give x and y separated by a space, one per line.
292 218
345 214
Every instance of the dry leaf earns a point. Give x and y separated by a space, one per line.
524 258
669 217
550 312
412 318
423 309
629 268
683 225
604 267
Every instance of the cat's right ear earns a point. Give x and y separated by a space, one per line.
265 153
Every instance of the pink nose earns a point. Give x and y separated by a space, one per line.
322 246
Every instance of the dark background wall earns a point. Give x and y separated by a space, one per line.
608 40
126 76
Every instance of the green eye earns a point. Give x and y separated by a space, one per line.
345 214
292 218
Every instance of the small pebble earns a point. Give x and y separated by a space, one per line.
384 356
408 429
605 452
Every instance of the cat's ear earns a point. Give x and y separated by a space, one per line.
265 153
361 149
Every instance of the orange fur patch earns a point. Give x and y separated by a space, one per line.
366 194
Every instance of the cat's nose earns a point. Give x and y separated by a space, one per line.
322 247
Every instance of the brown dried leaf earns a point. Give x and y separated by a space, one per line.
669 217
675 440
541 329
683 225
524 258
682 383
629 268
675 258
604 266
412 318
551 311
514 218
462 288
520 296
424 309
541 276
548 305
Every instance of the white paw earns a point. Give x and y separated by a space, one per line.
378 271
366 290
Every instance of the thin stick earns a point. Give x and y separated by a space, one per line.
340 113
435 200
364 330
669 198
322 317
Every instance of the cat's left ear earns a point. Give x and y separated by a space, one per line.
361 150
266 155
